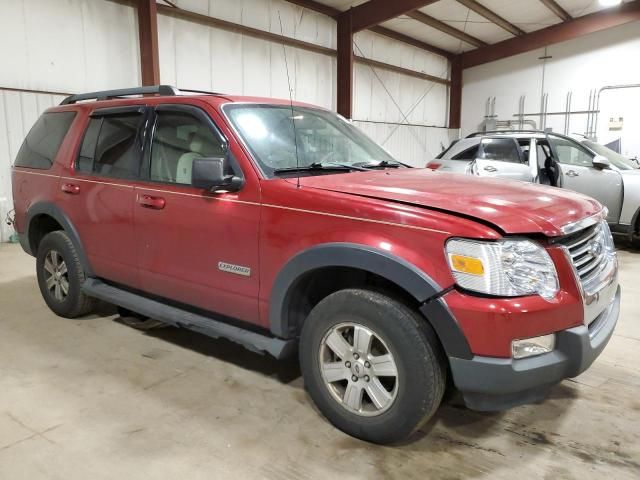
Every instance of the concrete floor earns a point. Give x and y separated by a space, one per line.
95 399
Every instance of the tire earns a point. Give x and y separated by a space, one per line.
56 250
412 395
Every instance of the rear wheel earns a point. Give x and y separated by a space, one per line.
372 365
60 276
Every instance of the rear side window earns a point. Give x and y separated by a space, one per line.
468 154
111 146
41 146
500 149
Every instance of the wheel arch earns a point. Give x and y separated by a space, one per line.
404 278
49 212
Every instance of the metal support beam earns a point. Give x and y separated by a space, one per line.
594 22
148 35
492 17
374 12
557 10
443 27
401 37
455 94
335 13
317 7
345 65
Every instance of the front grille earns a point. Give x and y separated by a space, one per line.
588 251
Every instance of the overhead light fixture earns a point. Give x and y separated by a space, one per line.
610 3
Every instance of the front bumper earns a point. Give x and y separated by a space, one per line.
497 383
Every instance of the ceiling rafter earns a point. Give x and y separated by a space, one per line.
557 10
445 28
387 32
492 17
561 32
374 12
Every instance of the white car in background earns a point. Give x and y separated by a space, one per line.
572 162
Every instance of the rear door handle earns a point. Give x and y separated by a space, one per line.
572 173
489 168
70 188
147 201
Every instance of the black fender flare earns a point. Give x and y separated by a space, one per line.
632 226
380 262
51 210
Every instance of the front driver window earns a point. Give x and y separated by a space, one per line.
178 139
570 153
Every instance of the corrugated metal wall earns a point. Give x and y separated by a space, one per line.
18 112
84 45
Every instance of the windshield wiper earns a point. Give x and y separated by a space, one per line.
319 166
381 164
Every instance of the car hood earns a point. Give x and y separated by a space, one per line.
512 206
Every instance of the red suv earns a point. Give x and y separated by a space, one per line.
281 227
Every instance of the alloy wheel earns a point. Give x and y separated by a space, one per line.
56 275
358 369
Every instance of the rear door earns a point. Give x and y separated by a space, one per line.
579 174
99 195
501 157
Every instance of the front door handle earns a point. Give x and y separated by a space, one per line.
572 173
147 201
489 168
70 188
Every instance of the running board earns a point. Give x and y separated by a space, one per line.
178 317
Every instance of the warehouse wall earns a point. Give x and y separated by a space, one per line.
578 66
84 45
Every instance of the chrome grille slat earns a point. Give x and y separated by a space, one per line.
587 252
594 231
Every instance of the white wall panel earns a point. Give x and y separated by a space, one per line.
578 66
203 57
68 45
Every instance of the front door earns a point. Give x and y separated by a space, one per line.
501 157
579 174
98 196
195 247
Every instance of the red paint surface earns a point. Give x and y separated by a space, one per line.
173 251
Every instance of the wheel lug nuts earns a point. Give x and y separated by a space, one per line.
367 364
354 378
366 378
356 356
347 364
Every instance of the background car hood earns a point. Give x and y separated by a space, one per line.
514 207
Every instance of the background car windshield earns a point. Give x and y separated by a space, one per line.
319 137
619 161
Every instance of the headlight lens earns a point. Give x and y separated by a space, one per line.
508 268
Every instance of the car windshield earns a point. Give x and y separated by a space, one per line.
619 161
320 138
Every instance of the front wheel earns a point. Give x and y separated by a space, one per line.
372 365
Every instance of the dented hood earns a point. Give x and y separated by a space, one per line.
512 206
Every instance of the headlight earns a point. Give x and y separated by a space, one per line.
506 268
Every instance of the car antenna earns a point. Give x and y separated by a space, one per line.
293 120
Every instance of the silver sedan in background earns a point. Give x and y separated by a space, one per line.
572 162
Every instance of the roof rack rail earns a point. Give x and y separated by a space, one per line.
167 90
496 132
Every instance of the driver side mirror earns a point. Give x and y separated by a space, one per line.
209 174
601 162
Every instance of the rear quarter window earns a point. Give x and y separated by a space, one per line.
43 141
